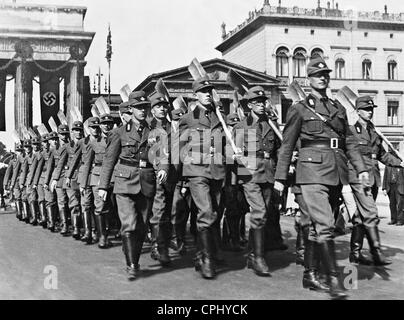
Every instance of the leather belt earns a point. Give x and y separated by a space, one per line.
137 164
333 143
97 165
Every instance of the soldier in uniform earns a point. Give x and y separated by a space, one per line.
26 191
36 213
54 175
127 159
14 185
201 133
366 218
12 166
81 162
160 139
258 144
103 207
325 147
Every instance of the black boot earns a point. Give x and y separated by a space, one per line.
87 226
63 221
234 234
154 253
102 231
75 214
51 210
300 243
217 252
256 259
159 245
310 277
26 211
18 206
327 250
178 239
130 248
205 264
42 212
355 256
373 237
34 213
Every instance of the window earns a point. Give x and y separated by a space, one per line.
317 52
299 62
286 30
282 62
366 69
338 33
311 32
340 68
365 34
391 35
392 70
392 112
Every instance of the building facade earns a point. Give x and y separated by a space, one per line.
364 49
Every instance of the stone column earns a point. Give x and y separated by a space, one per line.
23 95
74 87
2 100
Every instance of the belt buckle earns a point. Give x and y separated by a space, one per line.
334 143
142 164
266 155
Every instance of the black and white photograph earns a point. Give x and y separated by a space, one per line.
201 156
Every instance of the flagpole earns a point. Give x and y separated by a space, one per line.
109 58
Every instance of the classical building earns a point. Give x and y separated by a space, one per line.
46 45
365 50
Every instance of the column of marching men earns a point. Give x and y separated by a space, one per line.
156 173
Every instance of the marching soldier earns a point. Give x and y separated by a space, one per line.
127 159
160 138
26 191
203 164
366 219
31 187
260 145
321 168
55 176
83 156
10 178
71 186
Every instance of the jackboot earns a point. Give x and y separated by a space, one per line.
243 238
373 237
178 239
234 234
357 236
256 259
130 248
154 251
87 226
18 207
34 213
94 234
217 252
42 212
75 214
300 243
329 260
26 211
102 231
63 221
51 210
159 246
163 240
205 260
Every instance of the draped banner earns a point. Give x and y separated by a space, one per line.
2 101
50 100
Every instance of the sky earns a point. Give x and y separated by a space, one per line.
151 36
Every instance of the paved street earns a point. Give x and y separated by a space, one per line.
86 272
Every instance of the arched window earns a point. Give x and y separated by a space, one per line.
340 68
366 69
392 70
282 62
299 62
316 52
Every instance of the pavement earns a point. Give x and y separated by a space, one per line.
38 264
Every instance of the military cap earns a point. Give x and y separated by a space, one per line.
27 143
18 147
36 141
106 118
53 136
232 119
138 99
93 122
45 137
177 114
202 83
158 98
317 65
255 93
63 129
364 102
77 125
124 107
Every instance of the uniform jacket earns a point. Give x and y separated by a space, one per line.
53 161
79 161
387 179
127 160
260 145
64 165
202 145
40 172
16 172
33 168
318 165
372 151
98 148
28 160
9 174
